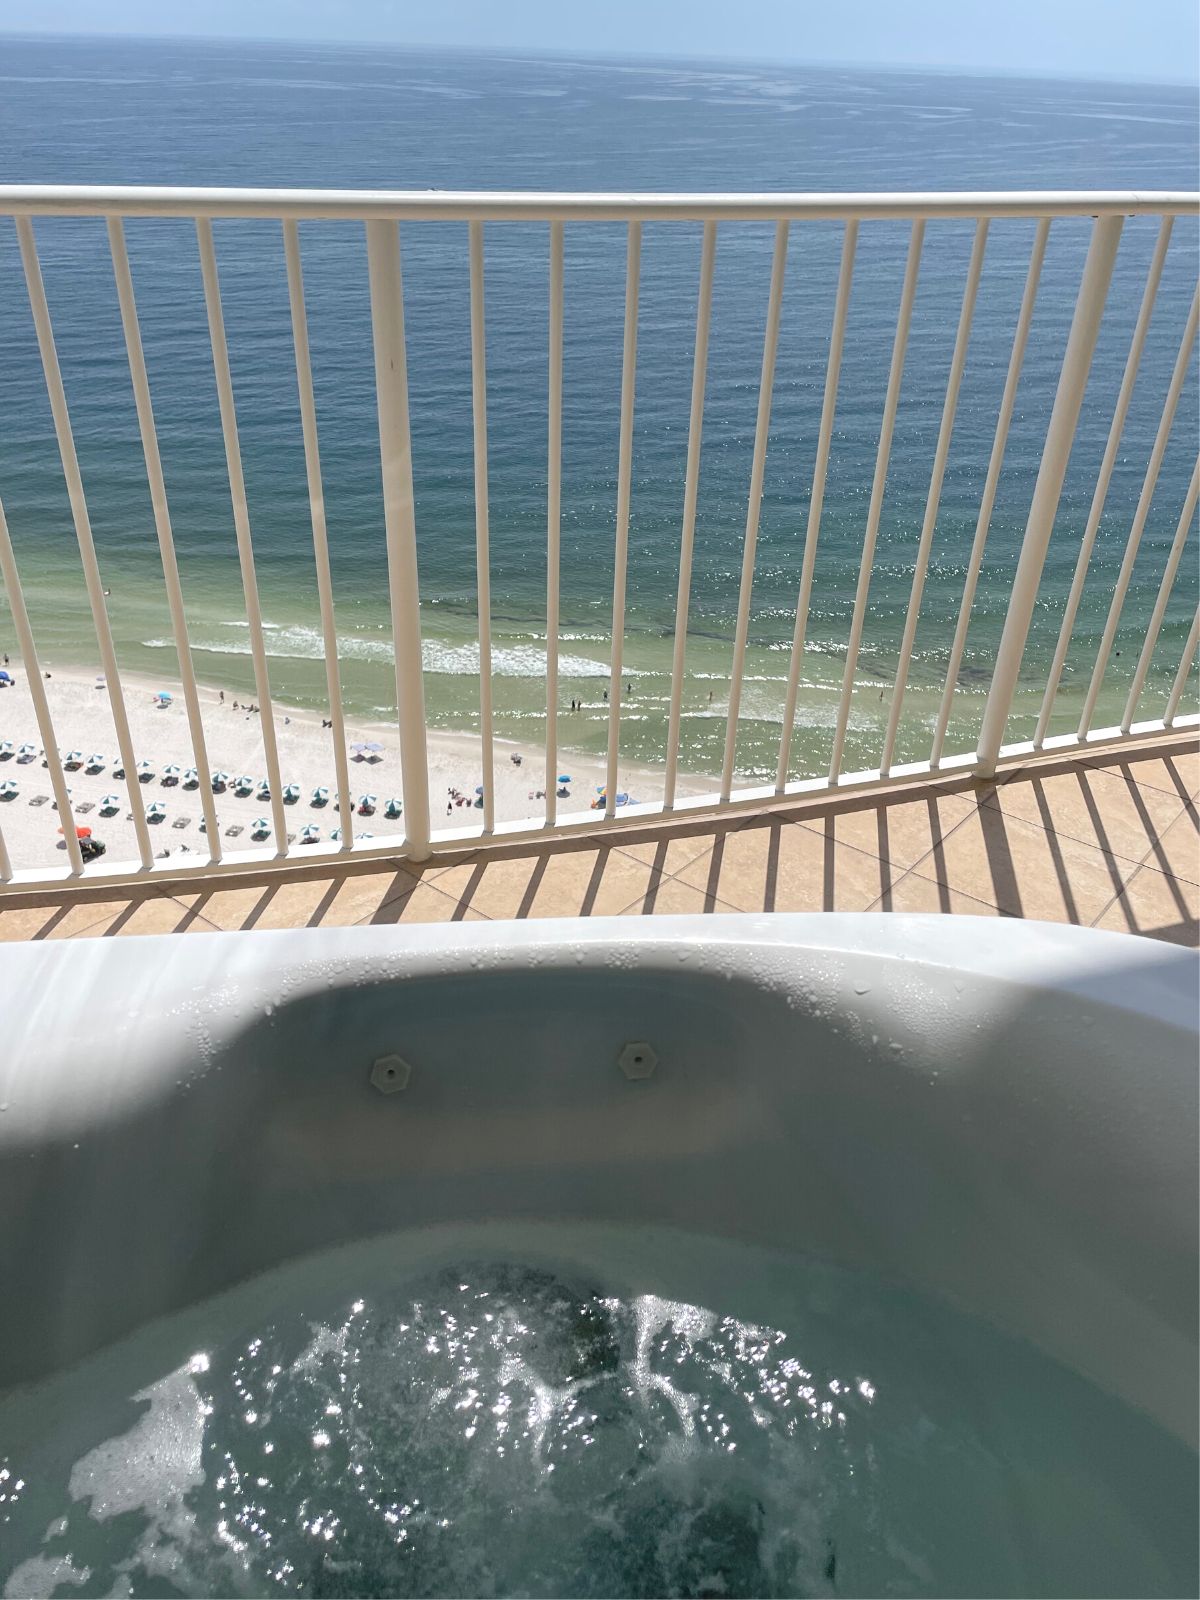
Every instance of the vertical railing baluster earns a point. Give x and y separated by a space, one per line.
1174 557
1181 677
991 483
162 523
483 570
400 526
887 427
687 536
316 505
762 430
1112 621
6 870
633 257
1104 477
833 368
241 523
1056 452
83 530
37 691
925 543
553 515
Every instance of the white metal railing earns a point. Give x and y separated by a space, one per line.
380 213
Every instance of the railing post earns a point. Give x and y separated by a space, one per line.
399 520
1064 418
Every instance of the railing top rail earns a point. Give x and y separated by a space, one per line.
84 200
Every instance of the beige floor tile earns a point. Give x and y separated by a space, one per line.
1025 870
283 902
1096 806
672 851
426 903
1177 851
144 911
31 921
777 866
1153 904
572 882
671 897
157 913
1176 772
923 895
901 831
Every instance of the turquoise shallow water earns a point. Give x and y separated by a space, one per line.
143 112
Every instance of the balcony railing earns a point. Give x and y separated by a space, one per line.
1105 214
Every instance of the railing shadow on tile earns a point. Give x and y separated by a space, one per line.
688 865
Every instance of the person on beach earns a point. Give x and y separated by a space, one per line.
222 695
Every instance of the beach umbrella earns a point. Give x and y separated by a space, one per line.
366 836
155 811
320 795
564 777
171 773
336 836
96 761
6 677
73 758
358 750
191 779
6 749
310 833
259 828
163 698
291 793
26 752
393 808
220 780
8 788
80 833
244 784
264 791
110 803
118 771
144 771
366 804
623 800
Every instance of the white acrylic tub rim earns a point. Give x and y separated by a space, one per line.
1000 1111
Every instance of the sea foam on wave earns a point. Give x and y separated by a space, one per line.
453 660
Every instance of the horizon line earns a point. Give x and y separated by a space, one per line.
585 55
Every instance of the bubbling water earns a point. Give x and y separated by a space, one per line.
500 1427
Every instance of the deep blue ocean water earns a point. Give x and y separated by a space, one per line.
191 113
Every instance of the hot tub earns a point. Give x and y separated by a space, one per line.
700 1256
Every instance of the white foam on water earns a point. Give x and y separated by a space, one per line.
371 1422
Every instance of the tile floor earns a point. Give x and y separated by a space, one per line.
1111 841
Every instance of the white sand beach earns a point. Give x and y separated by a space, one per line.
83 722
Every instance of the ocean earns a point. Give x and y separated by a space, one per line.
125 111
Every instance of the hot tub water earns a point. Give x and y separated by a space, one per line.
580 1410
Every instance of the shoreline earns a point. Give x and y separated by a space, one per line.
82 717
